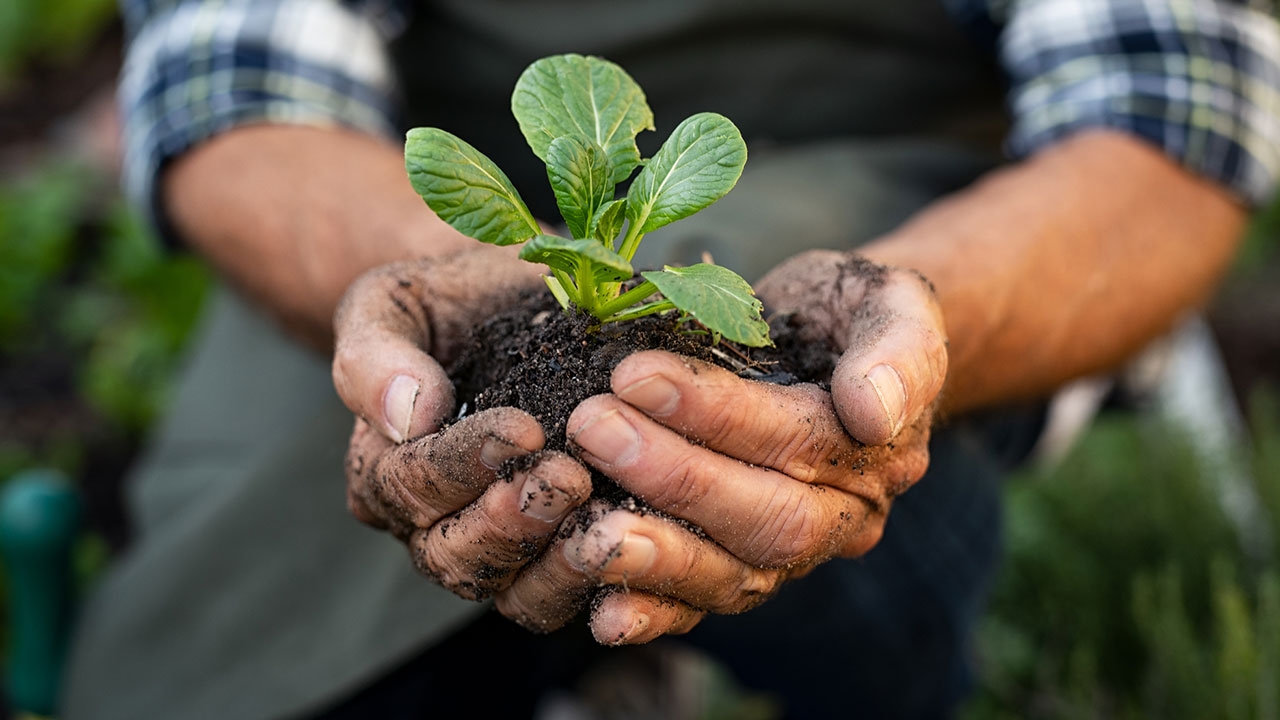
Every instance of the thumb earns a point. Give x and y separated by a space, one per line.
381 368
895 361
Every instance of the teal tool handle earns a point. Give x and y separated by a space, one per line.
39 520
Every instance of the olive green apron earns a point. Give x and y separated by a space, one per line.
249 592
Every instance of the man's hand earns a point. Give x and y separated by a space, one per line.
444 493
770 481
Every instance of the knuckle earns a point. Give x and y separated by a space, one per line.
724 420
801 449
391 486
753 588
434 559
511 606
787 533
680 486
531 614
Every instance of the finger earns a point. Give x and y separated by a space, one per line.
791 429
634 617
477 552
381 368
366 444
411 486
760 515
892 370
655 554
550 592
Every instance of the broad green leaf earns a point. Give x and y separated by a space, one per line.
587 97
718 298
466 189
566 256
607 222
697 165
579 173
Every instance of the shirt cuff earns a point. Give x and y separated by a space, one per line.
201 68
1198 79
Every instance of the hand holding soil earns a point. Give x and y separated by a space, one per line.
435 490
767 481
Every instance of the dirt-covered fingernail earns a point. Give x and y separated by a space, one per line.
541 500
655 395
636 554
496 451
892 392
609 437
397 406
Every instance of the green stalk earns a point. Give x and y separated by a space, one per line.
650 309
587 288
627 299
631 241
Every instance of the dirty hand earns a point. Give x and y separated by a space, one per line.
435 490
776 479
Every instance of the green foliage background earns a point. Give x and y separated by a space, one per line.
82 279
1125 592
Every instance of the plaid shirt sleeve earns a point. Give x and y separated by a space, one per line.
196 68
1198 78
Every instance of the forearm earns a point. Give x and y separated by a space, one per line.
293 214
1066 263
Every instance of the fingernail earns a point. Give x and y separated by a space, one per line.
892 392
540 500
654 395
397 406
591 552
639 623
610 438
495 451
636 554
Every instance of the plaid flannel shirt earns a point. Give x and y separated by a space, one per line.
1198 78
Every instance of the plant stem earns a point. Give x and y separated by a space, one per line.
587 288
627 299
631 241
650 309
567 285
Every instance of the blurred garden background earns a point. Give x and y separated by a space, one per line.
1130 589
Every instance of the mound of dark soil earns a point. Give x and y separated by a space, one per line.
540 359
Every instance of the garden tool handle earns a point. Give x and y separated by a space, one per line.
39 520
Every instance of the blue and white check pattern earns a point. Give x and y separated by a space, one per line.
197 68
1198 78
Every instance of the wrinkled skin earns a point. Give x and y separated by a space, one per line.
778 479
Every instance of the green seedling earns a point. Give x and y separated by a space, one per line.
581 116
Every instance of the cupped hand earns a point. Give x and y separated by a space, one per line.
471 515
764 482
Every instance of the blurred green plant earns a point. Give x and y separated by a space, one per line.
47 30
82 277
1125 592
84 284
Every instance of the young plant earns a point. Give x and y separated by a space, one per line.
581 116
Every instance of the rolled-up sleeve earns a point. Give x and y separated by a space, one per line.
1197 78
197 68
